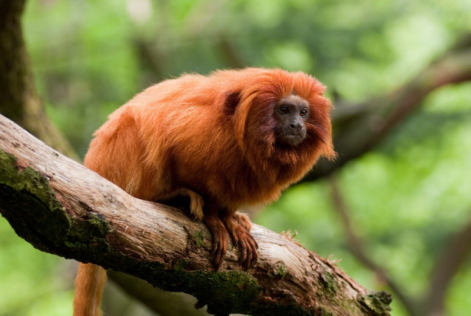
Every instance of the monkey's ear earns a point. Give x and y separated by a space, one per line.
231 102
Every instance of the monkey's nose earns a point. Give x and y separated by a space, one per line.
295 125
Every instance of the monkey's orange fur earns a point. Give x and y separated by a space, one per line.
212 137
176 134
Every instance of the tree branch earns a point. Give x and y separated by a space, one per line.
63 208
446 268
356 247
358 128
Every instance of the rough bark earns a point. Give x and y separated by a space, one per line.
63 208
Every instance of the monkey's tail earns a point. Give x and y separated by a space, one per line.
89 284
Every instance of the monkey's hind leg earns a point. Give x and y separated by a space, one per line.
238 225
196 201
243 219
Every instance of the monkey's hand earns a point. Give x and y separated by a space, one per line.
238 226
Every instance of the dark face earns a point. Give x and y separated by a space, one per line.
292 112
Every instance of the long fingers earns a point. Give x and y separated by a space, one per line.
219 247
245 242
248 249
220 239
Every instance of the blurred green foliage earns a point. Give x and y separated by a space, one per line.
407 197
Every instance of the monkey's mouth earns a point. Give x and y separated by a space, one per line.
292 139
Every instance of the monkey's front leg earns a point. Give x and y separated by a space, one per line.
238 226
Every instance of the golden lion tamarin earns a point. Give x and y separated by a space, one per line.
233 138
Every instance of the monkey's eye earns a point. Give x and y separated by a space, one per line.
283 110
304 112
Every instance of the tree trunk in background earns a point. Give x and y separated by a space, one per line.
19 99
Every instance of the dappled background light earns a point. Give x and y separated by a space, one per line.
405 199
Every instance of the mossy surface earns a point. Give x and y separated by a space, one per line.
199 238
330 285
29 204
377 302
279 271
223 291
